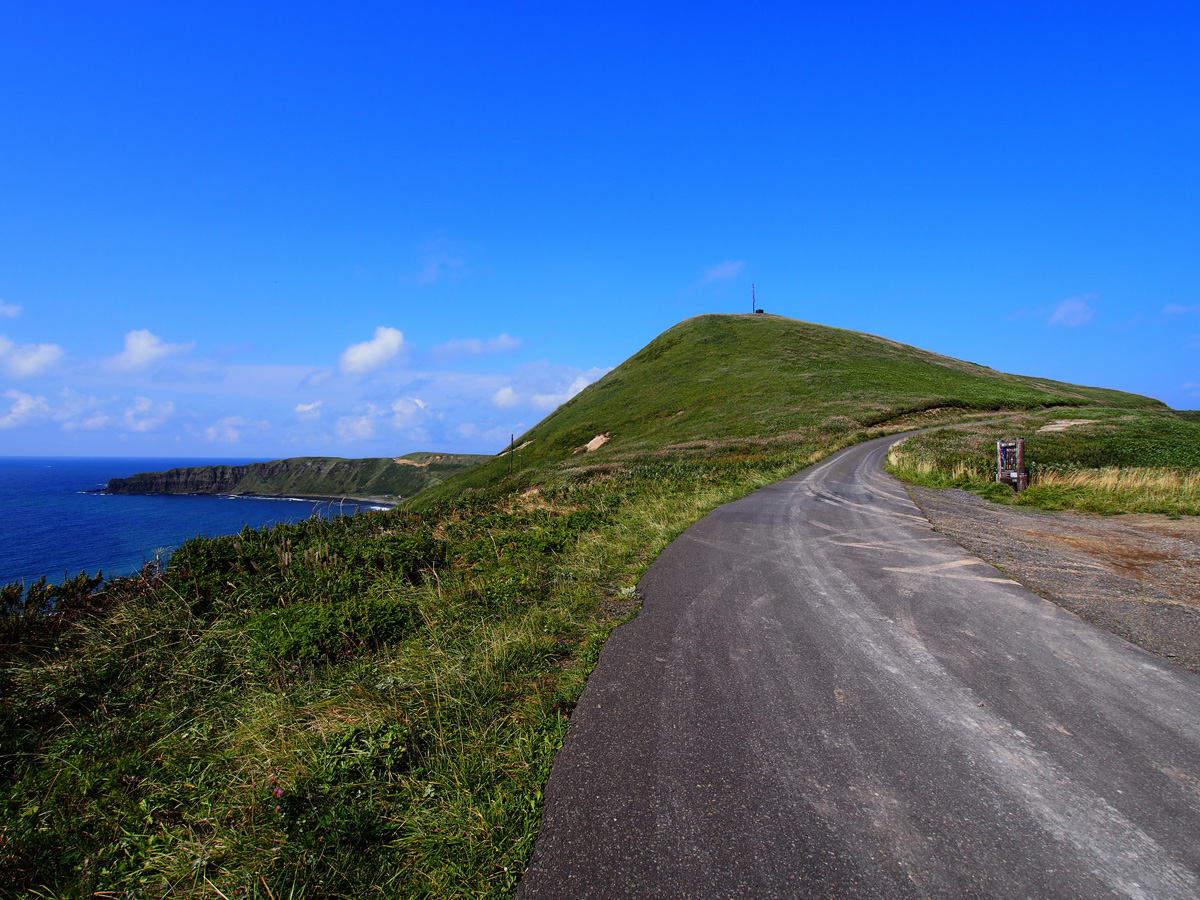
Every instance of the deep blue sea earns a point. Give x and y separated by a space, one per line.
50 525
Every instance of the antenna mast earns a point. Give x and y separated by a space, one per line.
753 301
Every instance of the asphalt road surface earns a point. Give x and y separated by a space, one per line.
823 697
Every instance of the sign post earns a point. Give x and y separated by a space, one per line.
1010 464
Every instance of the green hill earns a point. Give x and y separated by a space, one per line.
724 380
371 705
306 476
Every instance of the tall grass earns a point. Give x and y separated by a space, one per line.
1085 468
228 727
1116 489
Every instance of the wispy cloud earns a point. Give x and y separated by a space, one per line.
439 267
308 411
373 402
227 430
23 408
723 271
143 349
24 360
370 355
553 401
1174 309
9 310
442 260
146 415
501 343
506 397
405 408
358 427
1074 312
77 411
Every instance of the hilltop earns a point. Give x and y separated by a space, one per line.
718 381
371 704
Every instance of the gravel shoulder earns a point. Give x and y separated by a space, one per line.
1137 576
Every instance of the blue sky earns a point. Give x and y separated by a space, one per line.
264 230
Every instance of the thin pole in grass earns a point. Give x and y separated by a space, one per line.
512 439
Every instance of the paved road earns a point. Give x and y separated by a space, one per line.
823 697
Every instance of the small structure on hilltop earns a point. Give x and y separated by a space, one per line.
1010 464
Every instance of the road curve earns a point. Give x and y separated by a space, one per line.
823 697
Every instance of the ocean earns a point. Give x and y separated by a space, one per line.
51 525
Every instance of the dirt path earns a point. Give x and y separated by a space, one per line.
1137 576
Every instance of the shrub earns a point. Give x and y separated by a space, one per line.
315 632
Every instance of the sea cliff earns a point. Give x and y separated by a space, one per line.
307 476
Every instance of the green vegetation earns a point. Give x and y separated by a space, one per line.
1112 461
306 476
371 705
763 381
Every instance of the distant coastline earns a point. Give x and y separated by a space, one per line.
380 502
381 481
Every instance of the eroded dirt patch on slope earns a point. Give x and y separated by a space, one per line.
1137 576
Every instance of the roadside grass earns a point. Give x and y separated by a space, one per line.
228 726
371 705
1117 461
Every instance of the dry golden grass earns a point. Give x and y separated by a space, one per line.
911 465
1116 479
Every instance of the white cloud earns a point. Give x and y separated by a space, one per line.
227 430
23 360
146 415
723 271
357 428
309 411
505 397
25 408
143 349
1191 388
465 430
501 343
1074 312
9 310
1174 309
91 423
553 401
372 354
78 412
405 409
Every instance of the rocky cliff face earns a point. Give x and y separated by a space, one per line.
304 476
198 480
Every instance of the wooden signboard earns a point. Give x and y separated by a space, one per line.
1010 463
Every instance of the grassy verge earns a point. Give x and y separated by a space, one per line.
333 708
1114 461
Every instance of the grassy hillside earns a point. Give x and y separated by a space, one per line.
402 476
371 705
720 381
1105 461
307 476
